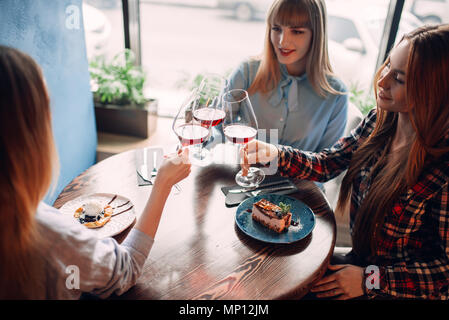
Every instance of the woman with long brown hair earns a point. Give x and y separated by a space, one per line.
37 243
396 184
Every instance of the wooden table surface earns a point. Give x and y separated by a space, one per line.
199 252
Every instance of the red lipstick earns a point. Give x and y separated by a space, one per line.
285 52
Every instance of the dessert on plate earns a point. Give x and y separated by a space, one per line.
272 216
93 214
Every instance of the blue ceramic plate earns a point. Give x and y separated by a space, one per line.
300 213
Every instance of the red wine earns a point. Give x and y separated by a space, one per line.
208 115
237 133
190 134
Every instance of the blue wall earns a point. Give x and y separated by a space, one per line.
52 36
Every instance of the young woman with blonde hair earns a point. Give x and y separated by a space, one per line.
292 86
37 243
397 180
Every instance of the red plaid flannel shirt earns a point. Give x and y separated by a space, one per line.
413 245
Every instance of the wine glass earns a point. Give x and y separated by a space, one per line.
190 131
207 109
240 127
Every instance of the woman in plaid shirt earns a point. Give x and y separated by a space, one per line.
397 163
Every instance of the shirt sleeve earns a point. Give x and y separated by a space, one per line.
105 266
122 264
329 163
425 278
337 123
240 77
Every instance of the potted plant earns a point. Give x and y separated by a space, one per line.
363 100
120 104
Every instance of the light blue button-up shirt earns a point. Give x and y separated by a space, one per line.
302 118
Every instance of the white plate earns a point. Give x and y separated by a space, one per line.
117 223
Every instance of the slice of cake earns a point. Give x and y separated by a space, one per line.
271 215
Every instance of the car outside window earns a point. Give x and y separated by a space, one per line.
340 29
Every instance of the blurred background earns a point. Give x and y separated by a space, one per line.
180 39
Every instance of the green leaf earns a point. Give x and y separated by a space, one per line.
285 207
365 101
118 81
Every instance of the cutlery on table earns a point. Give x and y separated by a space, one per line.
143 178
143 169
269 190
261 187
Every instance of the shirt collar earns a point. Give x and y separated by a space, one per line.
286 75
281 90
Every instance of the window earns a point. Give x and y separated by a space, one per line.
182 39
429 11
354 29
103 24
341 29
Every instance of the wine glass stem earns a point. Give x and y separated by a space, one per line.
241 148
199 146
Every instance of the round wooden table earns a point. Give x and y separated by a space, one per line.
199 252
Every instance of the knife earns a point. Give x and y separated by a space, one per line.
243 190
269 190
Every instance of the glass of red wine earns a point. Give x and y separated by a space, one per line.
207 110
188 129
240 127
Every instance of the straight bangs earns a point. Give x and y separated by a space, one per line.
291 14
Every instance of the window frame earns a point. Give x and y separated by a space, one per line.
390 31
131 28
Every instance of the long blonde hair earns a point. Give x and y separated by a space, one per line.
312 13
427 97
27 162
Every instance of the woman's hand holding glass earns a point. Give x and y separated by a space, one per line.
257 151
175 168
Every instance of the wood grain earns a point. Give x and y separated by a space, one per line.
199 252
